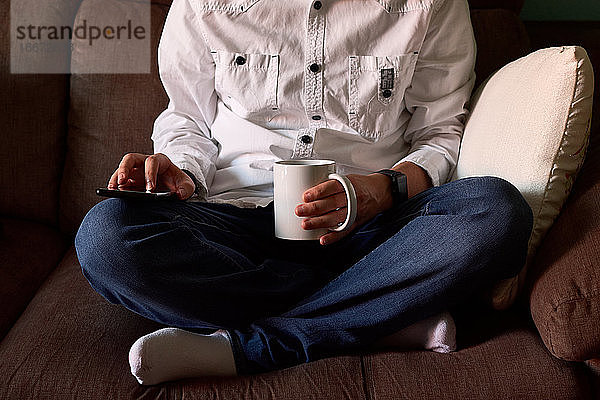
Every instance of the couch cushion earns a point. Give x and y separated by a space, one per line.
110 115
500 357
33 116
565 278
529 124
71 343
29 252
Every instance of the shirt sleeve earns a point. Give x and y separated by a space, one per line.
442 83
182 131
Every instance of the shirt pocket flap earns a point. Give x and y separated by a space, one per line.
404 6
227 6
244 60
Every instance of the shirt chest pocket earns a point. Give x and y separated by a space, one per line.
376 92
248 83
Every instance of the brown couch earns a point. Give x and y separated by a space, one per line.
63 135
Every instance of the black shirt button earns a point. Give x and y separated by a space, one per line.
317 5
316 117
305 139
239 60
387 93
314 67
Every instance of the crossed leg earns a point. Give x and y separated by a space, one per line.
199 265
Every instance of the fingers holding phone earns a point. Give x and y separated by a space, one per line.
153 173
130 173
162 174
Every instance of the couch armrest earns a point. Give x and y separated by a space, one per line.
564 281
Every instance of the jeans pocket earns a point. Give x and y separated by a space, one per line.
376 92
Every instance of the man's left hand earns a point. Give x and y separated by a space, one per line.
325 204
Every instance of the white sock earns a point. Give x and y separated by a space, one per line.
436 333
170 354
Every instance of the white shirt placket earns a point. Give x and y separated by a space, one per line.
313 81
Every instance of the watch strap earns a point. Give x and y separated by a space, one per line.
399 185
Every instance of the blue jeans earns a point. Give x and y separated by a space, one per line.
207 266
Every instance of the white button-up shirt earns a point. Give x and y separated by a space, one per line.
367 83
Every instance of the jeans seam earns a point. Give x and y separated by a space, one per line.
386 226
426 209
209 225
223 256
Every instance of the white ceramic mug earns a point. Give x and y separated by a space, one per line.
291 178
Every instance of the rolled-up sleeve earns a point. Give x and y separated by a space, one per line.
442 83
182 131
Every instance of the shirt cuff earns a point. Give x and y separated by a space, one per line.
434 163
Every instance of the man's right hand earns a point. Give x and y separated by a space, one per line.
151 172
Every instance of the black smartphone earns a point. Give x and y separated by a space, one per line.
135 194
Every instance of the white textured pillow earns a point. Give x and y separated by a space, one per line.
529 124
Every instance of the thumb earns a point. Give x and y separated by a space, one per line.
181 193
185 186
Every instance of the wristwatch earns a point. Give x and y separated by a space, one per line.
399 185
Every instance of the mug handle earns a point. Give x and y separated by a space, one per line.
350 199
